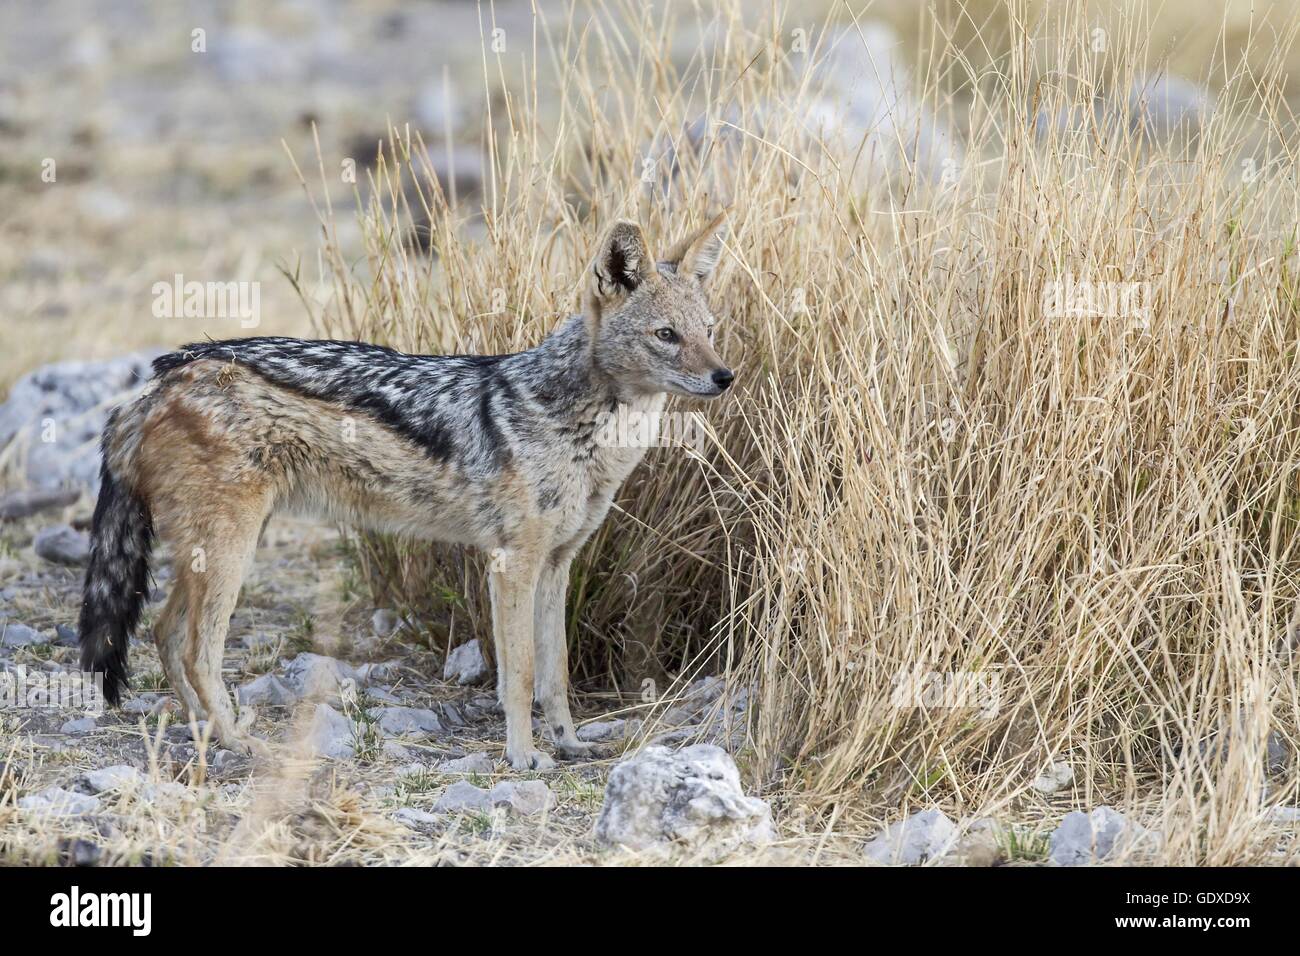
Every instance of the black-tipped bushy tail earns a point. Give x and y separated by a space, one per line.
116 582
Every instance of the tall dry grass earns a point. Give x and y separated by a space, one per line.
921 474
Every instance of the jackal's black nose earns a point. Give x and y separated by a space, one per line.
723 377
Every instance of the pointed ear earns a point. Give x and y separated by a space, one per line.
622 263
699 252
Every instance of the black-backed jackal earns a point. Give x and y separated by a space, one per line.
499 452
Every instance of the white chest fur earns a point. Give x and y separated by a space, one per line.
623 436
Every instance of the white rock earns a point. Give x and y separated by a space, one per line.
1284 815
20 635
695 700
465 664
381 670
1165 104
688 798
701 713
76 397
462 797
21 504
865 95
170 790
526 797
399 721
120 777
923 836
412 816
57 802
1052 779
221 758
384 695
384 622
604 730
318 676
330 734
62 544
1084 838
470 763
82 725
266 690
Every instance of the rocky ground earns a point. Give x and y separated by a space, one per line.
383 750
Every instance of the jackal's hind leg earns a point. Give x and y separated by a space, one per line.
214 593
170 637
512 627
552 653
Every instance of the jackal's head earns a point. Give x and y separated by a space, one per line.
650 327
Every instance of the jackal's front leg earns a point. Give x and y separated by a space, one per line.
552 646
512 589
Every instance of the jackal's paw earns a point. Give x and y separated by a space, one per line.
246 745
531 760
575 749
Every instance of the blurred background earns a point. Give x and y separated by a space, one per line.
170 159
167 123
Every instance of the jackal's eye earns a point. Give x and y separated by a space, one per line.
666 334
